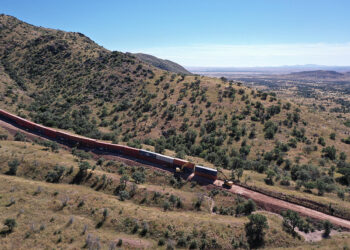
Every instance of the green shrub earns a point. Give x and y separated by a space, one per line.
55 175
11 224
270 129
161 242
139 177
321 141
13 165
123 195
20 137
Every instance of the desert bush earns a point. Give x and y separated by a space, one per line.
11 224
20 136
55 175
13 165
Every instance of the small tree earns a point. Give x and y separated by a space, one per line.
321 187
330 152
239 173
249 207
269 178
123 180
291 220
327 226
255 229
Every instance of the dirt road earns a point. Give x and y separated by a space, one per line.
268 203
275 205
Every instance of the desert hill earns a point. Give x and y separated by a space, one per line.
162 64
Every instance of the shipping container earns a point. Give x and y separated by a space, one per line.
103 145
207 176
167 159
206 172
147 153
117 148
50 133
134 152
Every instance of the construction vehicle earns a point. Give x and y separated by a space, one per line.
227 182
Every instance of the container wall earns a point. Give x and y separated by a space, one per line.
147 153
207 176
205 170
164 158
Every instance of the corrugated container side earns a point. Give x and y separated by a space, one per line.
208 176
85 142
91 143
206 170
59 134
130 151
117 148
165 158
147 153
109 146
50 133
103 145
28 124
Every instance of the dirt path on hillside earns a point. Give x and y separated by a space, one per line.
268 203
276 205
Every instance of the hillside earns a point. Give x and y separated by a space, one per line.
162 64
55 203
65 80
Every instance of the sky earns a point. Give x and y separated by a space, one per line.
217 33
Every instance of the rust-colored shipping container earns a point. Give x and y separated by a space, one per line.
134 152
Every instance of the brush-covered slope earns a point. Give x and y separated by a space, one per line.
56 203
65 80
162 64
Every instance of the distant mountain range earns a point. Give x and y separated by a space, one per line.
270 70
162 64
319 74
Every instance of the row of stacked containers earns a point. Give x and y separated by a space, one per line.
205 172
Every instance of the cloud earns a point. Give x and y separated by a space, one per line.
255 55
